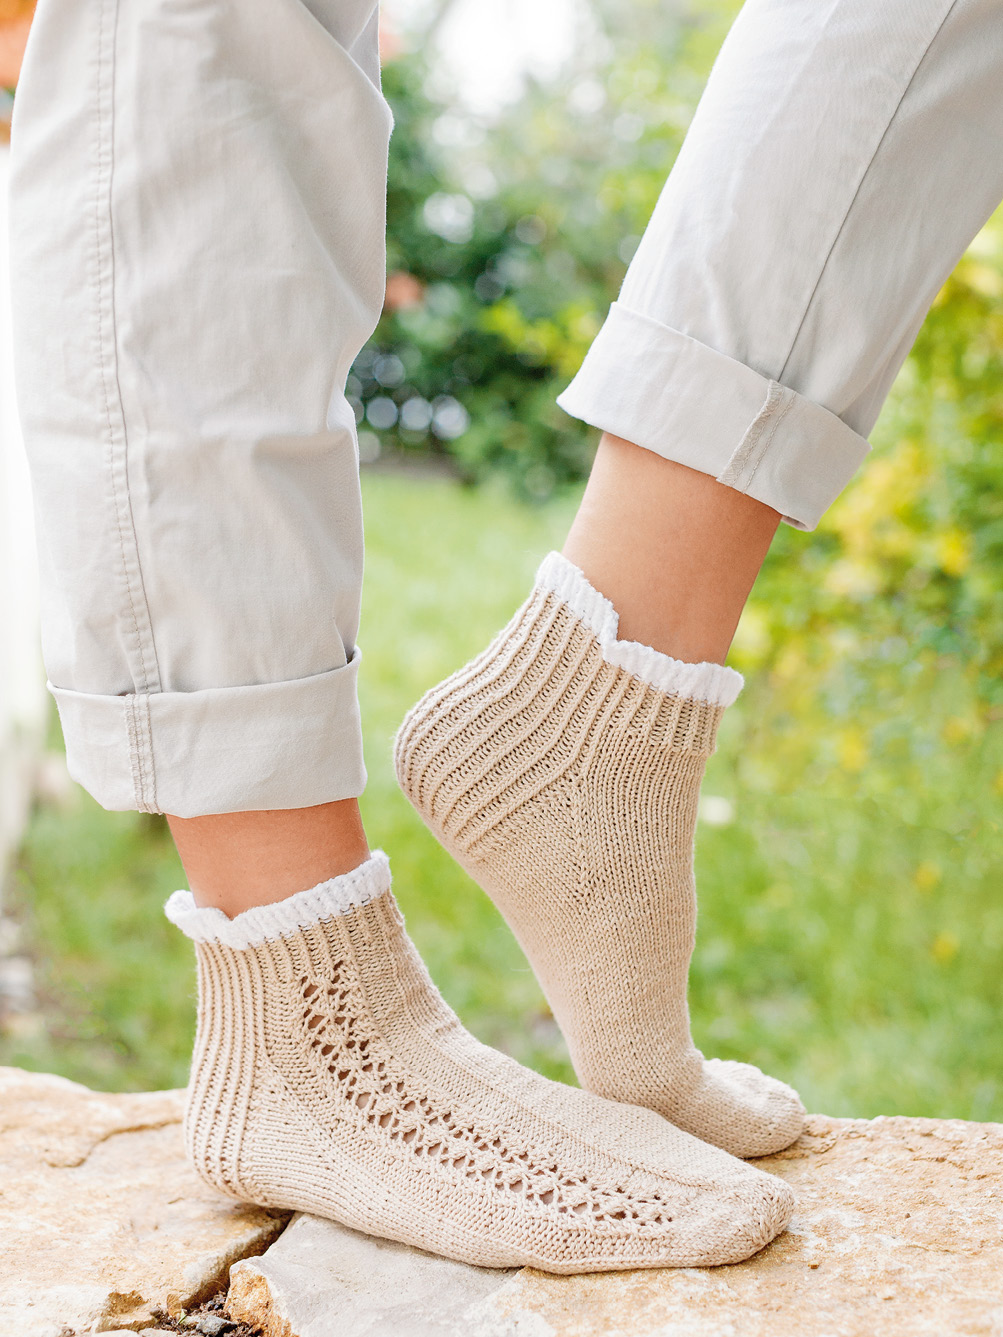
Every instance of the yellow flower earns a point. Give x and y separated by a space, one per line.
851 749
956 730
927 875
945 947
953 549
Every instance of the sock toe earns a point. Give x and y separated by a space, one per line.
771 1205
748 1113
748 1213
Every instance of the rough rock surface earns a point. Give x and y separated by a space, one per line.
898 1233
321 1278
102 1223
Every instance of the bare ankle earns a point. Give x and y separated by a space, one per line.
235 860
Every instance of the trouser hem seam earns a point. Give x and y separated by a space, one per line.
140 743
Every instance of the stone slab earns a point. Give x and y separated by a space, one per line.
898 1233
320 1279
102 1222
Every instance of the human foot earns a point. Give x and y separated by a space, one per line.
561 768
330 1077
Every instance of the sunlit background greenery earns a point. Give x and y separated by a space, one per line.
849 863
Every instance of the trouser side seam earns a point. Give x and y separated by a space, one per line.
142 655
147 678
863 177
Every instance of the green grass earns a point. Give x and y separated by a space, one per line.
851 925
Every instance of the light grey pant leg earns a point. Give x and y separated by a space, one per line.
198 205
842 157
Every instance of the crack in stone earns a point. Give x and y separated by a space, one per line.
142 1127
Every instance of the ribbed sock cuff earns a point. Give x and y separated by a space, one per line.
263 923
716 684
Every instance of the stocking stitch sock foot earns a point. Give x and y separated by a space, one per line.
561 768
330 1077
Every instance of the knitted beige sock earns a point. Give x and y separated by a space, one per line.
330 1077
562 768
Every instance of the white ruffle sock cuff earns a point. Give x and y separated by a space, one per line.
263 923
714 683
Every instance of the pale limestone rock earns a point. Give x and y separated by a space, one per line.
898 1233
321 1278
101 1219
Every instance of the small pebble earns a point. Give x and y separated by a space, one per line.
214 1324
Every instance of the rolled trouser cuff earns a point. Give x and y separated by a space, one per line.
673 395
223 749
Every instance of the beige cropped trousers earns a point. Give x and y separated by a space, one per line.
197 214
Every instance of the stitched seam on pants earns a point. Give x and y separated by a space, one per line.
863 177
132 735
761 454
145 725
140 739
750 449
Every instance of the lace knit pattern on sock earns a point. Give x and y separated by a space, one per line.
330 1077
441 1138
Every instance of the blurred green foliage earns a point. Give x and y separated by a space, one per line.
519 232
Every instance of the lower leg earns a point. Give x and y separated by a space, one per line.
236 860
675 551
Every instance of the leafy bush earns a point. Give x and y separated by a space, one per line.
506 244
